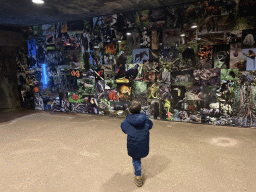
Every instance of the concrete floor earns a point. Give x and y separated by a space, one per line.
45 152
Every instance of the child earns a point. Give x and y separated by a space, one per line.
137 126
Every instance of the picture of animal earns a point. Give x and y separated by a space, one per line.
132 73
140 54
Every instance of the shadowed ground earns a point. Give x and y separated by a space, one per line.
46 151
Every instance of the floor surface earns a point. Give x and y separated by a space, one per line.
66 152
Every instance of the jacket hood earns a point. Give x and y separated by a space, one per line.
136 120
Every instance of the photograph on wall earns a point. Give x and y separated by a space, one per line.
157 18
180 105
249 54
98 24
249 38
108 35
149 76
185 58
104 106
39 104
129 18
225 95
139 55
165 91
233 36
120 27
122 45
37 30
92 104
108 75
119 109
145 39
31 46
155 40
107 67
194 93
142 18
100 89
133 72
40 50
158 14
182 78
119 74
171 37
133 40
153 90
55 57
74 58
139 91
166 77
168 57
207 77
221 56
75 97
153 108
86 86
125 92
109 84
210 112
205 56
113 94
50 39
48 29
109 59
99 74
213 16
229 75
166 112
212 38
110 48
237 59
244 100
109 20
210 97
151 66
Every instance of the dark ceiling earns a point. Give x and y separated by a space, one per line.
25 13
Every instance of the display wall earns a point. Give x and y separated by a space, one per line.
204 74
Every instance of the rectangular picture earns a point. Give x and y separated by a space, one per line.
249 54
139 55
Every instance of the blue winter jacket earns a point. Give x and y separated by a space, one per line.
137 127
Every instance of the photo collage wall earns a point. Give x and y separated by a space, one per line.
189 62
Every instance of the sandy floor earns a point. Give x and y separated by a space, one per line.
45 152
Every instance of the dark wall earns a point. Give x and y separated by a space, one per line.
9 43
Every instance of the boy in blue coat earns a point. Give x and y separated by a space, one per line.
137 126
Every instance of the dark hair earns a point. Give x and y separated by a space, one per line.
135 107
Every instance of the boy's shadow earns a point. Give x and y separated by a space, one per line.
150 167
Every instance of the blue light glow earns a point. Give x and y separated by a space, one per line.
44 75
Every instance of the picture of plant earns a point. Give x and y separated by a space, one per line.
74 97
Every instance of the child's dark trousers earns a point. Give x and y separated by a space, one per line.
137 166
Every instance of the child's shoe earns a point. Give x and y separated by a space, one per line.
138 181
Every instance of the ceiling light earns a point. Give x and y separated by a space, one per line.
194 26
128 33
182 35
38 1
